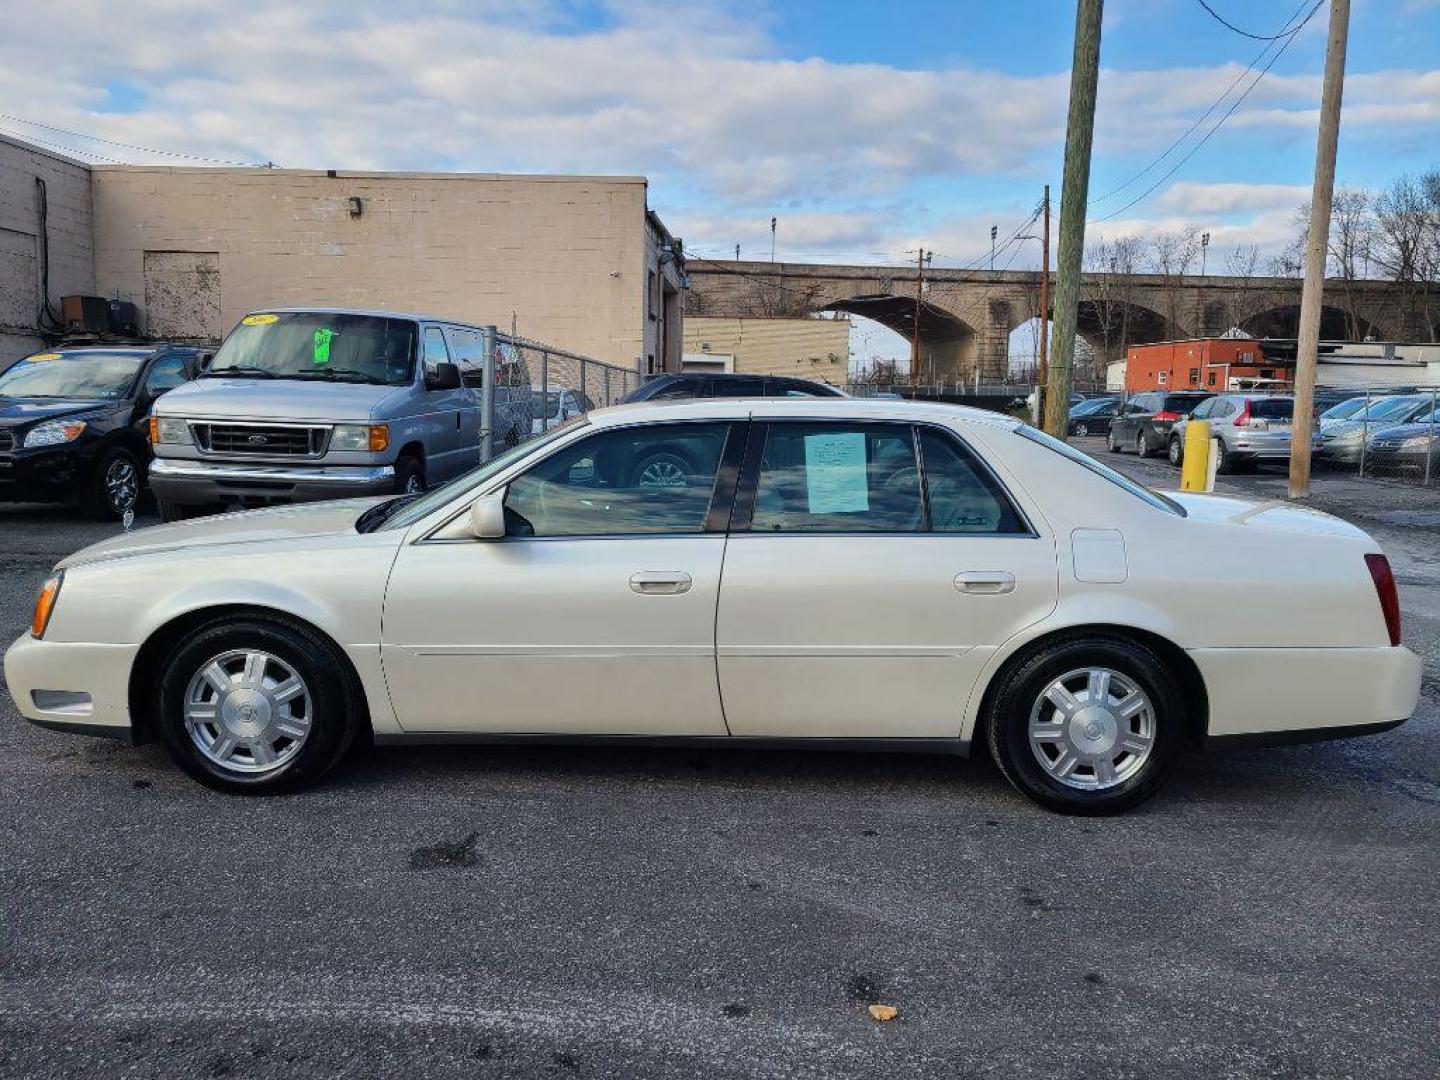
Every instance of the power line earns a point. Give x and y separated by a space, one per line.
1246 33
1214 128
62 148
1198 120
127 146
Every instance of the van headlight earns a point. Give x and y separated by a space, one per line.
169 429
54 432
372 437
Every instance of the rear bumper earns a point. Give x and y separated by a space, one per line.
206 483
1296 695
70 686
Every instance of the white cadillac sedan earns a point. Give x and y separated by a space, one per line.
835 573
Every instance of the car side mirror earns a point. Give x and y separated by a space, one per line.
487 516
444 377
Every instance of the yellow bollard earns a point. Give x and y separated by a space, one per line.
1195 469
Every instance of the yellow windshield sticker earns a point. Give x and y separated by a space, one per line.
42 356
260 320
323 337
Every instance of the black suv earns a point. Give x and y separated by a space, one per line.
1143 423
693 384
73 422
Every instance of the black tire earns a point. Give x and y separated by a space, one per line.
409 475
1007 725
660 465
1224 460
334 720
170 511
114 485
1142 445
1111 443
1176 451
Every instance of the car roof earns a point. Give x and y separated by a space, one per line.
817 408
378 313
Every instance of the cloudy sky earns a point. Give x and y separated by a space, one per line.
866 127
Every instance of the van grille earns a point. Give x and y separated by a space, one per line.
262 439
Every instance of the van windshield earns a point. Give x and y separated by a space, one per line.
320 345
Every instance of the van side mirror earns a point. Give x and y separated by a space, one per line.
487 516
444 377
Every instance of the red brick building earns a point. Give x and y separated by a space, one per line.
1215 364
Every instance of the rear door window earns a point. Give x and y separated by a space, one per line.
964 496
840 477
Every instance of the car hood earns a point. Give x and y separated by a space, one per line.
249 527
1273 515
17 411
1406 431
277 399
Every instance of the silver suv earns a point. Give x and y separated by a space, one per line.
322 403
1247 428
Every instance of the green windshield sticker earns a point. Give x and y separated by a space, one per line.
323 337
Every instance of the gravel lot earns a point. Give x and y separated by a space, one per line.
550 912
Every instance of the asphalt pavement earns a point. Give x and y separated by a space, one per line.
641 913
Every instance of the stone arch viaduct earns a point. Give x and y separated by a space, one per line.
967 316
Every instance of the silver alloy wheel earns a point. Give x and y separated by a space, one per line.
122 484
248 711
662 474
414 485
1092 728
1082 429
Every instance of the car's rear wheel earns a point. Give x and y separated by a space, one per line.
1224 460
1176 451
1111 443
257 706
1087 725
1082 429
114 485
1142 448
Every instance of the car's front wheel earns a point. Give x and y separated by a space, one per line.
1087 725
1082 429
114 485
257 705
1176 451
1111 443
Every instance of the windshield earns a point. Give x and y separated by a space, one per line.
319 345
404 513
1387 407
90 374
1155 499
545 405
1344 410
1085 408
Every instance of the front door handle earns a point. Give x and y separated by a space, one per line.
660 582
985 582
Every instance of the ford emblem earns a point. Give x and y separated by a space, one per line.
257 440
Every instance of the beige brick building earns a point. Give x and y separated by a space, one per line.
803 348
577 262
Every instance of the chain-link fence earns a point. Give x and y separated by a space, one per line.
536 387
1381 431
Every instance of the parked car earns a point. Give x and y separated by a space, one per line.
555 406
316 403
708 384
1092 415
1407 446
1143 423
1244 428
836 572
1342 410
1344 440
72 422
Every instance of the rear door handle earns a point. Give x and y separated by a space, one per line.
989 582
660 582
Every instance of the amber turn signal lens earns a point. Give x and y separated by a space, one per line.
379 437
154 430
44 604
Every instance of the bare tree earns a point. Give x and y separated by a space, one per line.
1351 245
1170 256
1404 234
1109 290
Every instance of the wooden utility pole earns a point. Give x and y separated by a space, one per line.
1316 248
1074 194
920 257
1045 294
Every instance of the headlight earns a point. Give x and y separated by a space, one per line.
54 432
169 429
45 604
1418 442
373 437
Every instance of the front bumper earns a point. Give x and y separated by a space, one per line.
42 474
72 686
207 483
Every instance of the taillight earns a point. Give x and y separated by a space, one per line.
1385 590
1166 414
1244 417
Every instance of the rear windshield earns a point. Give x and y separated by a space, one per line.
1160 502
1183 403
1272 408
321 345
89 374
